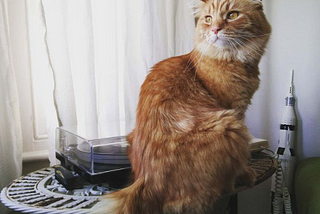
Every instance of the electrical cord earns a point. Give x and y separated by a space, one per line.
278 200
282 195
287 201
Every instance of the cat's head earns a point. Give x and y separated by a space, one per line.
231 29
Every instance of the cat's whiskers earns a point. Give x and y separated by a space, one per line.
254 36
196 56
239 32
252 46
191 61
246 44
232 45
243 44
238 53
249 50
192 56
198 59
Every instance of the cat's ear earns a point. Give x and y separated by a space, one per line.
258 4
196 5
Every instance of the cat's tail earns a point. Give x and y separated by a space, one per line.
125 201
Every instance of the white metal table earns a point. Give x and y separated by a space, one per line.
39 192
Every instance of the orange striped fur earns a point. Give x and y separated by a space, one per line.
190 142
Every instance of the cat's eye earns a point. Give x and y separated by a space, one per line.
233 15
208 19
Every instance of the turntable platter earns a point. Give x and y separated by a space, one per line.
115 153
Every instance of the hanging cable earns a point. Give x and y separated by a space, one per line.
282 195
278 200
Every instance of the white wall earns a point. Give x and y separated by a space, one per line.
294 45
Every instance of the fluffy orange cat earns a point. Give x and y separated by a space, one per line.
190 142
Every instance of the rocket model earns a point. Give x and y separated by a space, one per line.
286 142
282 180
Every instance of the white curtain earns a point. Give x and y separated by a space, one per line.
10 127
91 58
96 54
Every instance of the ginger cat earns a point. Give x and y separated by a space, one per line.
190 142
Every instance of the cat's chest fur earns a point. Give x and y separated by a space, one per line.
231 83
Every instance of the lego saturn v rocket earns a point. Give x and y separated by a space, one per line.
282 181
286 141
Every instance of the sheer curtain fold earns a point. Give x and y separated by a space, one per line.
10 124
101 51
168 28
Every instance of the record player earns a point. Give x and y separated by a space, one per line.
96 157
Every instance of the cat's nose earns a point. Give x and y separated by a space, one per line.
216 30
